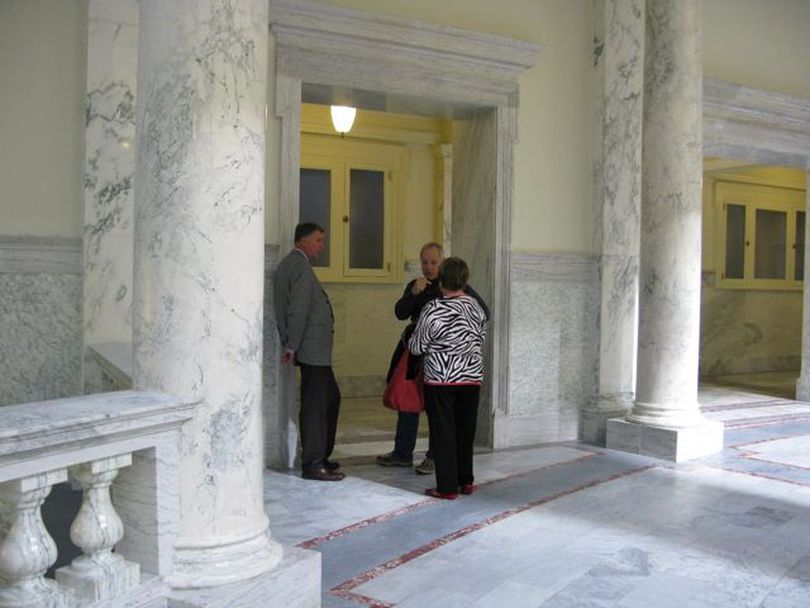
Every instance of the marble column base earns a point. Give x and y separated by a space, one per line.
675 444
223 563
93 582
294 583
593 419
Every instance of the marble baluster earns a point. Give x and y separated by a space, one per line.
27 550
665 420
112 52
803 383
199 250
619 65
99 573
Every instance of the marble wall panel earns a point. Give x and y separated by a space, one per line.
109 166
553 346
40 336
749 331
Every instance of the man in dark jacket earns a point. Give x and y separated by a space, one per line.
306 325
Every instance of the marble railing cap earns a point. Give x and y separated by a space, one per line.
117 355
89 419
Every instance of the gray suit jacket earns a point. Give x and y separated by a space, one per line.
303 312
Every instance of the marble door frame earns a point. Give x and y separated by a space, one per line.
409 66
765 128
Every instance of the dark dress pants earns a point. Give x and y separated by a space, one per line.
320 404
452 412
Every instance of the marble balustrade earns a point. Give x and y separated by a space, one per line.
118 445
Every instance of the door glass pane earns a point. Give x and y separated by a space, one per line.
735 241
315 195
367 219
771 243
799 246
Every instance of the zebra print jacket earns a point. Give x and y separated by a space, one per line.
450 334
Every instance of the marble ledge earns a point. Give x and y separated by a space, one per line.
35 255
36 436
115 360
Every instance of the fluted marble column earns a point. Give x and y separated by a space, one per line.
803 384
619 65
666 421
199 250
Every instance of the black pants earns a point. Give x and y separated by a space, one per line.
452 413
320 404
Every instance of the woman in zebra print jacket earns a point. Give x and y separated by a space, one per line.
450 334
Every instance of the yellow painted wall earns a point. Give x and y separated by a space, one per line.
746 330
553 157
763 44
42 90
778 177
366 329
42 66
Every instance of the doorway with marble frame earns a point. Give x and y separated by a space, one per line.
747 129
406 67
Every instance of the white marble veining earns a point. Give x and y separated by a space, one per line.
98 574
32 255
665 421
26 548
554 348
475 219
759 126
40 336
749 331
669 301
112 52
199 251
619 66
37 437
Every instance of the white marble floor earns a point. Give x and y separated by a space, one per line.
568 525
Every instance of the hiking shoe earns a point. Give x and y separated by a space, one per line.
391 459
426 467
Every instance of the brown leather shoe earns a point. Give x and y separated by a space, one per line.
322 474
332 465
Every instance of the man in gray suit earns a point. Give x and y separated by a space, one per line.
306 324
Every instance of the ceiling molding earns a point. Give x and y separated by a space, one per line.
753 125
322 44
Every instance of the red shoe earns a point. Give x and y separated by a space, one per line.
467 488
445 495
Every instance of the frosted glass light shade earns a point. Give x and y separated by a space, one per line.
343 118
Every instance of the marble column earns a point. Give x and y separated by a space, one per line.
619 65
665 420
198 284
803 384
